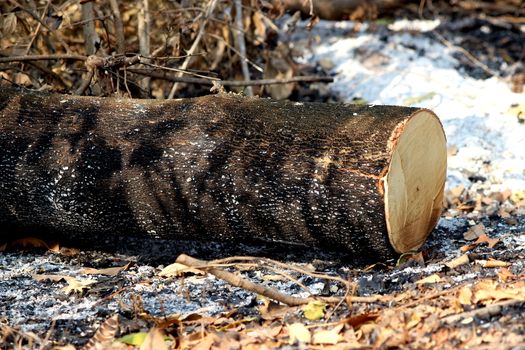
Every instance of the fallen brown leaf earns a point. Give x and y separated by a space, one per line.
486 239
53 278
465 295
434 278
299 333
330 337
492 263
504 274
178 269
460 260
109 271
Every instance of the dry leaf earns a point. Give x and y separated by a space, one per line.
329 337
460 260
357 321
260 28
414 320
434 278
492 263
104 334
177 269
75 285
474 232
271 310
314 310
504 274
496 295
467 247
154 341
53 278
465 296
298 333
9 23
485 239
109 271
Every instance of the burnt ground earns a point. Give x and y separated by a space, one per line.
407 313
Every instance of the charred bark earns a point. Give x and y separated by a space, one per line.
220 167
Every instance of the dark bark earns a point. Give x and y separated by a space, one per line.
216 167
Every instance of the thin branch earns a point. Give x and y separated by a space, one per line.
240 282
180 71
42 58
489 309
184 66
271 293
467 54
241 45
209 81
85 83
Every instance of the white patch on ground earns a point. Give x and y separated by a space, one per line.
412 69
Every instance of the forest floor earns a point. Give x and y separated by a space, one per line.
465 288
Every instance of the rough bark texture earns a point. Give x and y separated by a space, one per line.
215 167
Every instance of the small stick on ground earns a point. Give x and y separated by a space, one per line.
270 293
486 310
240 282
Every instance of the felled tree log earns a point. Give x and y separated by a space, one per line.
365 179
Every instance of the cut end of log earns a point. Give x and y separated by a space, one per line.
415 181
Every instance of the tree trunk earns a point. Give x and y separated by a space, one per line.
366 179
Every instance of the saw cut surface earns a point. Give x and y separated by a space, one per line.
415 180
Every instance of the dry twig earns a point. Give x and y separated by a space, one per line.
209 81
240 282
237 281
42 58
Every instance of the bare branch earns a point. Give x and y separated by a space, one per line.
179 79
42 58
